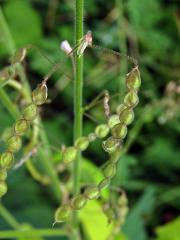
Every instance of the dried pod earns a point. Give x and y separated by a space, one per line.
39 95
110 214
133 80
120 108
109 170
126 116
119 131
131 99
19 55
14 143
21 126
110 145
6 160
8 132
3 174
123 201
104 184
30 112
69 154
102 130
3 188
62 213
113 120
82 143
123 211
91 192
78 202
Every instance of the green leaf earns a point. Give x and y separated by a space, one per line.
170 231
135 224
24 22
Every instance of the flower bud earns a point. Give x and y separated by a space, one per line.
69 154
82 143
119 131
79 202
133 80
91 192
3 175
30 112
102 130
3 188
126 116
21 126
39 95
19 55
110 170
104 184
113 120
62 213
110 145
120 108
14 143
6 160
131 99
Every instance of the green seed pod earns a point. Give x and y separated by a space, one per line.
120 108
19 55
8 132
62 213
39 95
3 188
6 160
119 131
92 137
69 154
113 120
131 99
110 145
102 130
78 202
21 126
82 143
104 184
3 175
14 143
110 170
30 112
133 80
126 116
91 192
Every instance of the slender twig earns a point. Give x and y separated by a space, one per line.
8 217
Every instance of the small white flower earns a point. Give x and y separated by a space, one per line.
65 46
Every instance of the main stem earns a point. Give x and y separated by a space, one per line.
78 96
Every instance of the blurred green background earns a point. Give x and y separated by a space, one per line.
149 171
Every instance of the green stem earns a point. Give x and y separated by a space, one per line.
9 218
32 233
78 96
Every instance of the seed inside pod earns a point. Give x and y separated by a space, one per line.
126 116
21 126
6 160
14 143
82 143
30 112
3 188
79 202
62 213
102 130
131 99
119 131
113 120
8 132
110 145
91 192
69 154
39 95
3 175
104 184
110 170
19 55
133 80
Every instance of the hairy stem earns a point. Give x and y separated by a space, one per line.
78 96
